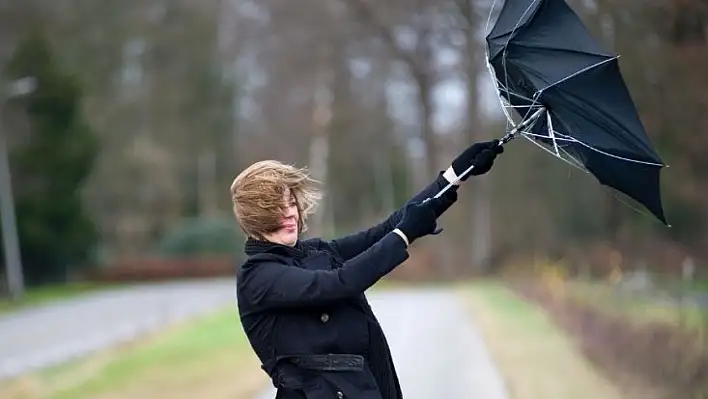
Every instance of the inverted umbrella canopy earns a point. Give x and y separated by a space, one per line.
571 96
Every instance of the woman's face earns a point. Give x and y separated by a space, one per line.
288 233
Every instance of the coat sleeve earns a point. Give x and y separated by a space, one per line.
352 245
271 285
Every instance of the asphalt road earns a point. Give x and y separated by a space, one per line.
55 333
438 351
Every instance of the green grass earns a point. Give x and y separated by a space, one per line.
45 294
536 358
204 356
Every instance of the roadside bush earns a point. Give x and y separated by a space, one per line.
671 361
194 248
214 236
139 270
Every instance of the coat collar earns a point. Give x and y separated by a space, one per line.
298 251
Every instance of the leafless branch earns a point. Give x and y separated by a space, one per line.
465 11
364 13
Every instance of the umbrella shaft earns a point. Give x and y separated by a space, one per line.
512 134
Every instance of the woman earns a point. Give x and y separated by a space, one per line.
301 301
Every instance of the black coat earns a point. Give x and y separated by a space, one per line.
309 300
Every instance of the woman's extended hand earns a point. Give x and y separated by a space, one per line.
481 155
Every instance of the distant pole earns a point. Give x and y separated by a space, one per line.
13 262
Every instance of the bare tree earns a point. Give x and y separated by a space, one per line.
419 59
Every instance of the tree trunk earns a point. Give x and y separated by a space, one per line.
481 245
427 129
319 143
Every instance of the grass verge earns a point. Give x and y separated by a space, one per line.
204 358
536 359
647 307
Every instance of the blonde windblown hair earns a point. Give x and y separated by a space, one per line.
257 196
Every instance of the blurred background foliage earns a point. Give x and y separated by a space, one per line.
146 111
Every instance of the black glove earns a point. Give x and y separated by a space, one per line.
420 219
481 155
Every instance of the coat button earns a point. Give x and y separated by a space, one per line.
340 395
324 317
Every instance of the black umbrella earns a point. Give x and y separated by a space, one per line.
571 96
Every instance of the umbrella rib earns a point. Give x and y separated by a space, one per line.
540 92
572 163
564 50
533 101
607 153
570 140
524 106
551 133
610 127
531 107
574 74
537 94
505 89
578 164
516 26
555 135
501 100
504 59
625 203
489 17
505 103
495 78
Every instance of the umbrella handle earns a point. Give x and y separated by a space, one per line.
452 183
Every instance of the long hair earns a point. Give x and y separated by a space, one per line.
257 195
